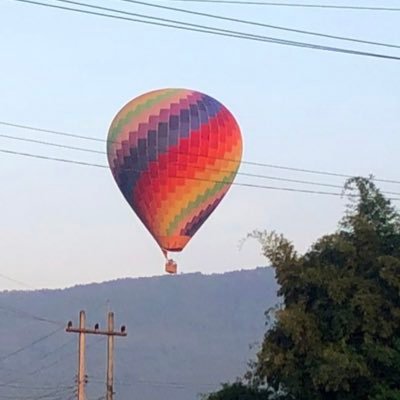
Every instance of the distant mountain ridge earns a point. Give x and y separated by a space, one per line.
186 334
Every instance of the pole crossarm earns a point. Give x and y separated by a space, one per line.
95 332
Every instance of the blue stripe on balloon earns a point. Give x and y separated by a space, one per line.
158 141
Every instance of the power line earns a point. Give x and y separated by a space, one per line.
49 395
242 184
51 144
50 353
40 369
31 128
245 162
151 382
316 172
48 366
299 5
16 281
250 175
260 24
276 40
277 188
25 314
14 386
206 29
275 178
60 359
213 169
44 367
52 158
23 348
134 382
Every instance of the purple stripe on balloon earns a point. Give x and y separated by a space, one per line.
202 112
194 117
161 132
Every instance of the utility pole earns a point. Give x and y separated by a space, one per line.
81 354
110 357
110 333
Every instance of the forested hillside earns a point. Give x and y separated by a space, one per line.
186 334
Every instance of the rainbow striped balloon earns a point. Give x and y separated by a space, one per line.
174 154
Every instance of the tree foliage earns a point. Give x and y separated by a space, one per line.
337 334
240 391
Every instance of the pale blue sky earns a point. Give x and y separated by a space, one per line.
63 224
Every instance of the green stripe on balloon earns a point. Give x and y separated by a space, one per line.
200 199
115 130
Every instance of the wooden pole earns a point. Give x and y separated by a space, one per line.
110 357
81 361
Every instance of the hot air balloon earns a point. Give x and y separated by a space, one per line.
174 154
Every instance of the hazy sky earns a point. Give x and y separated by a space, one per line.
63 224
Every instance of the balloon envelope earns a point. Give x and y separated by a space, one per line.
174 154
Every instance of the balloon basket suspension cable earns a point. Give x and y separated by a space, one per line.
170 265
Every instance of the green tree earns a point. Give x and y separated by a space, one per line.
337 334
241 391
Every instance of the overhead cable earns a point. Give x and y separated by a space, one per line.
243 184
52 158
249 175
19 386
16 281
205 29
23 348
245 162
261 24
64 146
299 5
32 128
24 314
